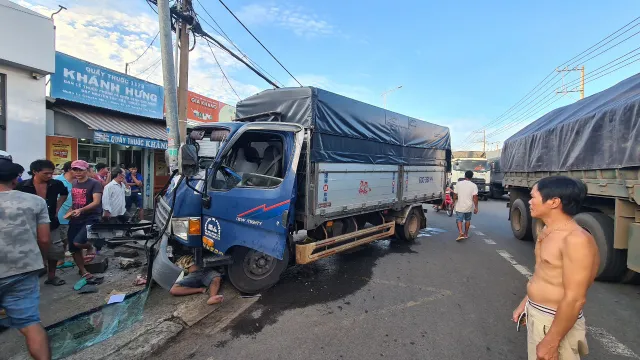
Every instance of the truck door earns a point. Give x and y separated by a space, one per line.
252 191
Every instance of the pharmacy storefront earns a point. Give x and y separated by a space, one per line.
103 116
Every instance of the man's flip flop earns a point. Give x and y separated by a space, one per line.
80 284
56 281
460 237
95 281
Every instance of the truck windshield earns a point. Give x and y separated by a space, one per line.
473 165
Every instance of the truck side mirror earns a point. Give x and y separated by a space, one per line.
188 160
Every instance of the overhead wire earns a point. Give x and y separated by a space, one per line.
259 42
147 49
222 71
567 63
222 33
149 67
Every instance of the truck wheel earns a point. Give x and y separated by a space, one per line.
492 192
631 278
536 228
411 228
613 262
253 271
521 220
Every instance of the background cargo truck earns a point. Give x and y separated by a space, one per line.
496 187
596 140
475 161
297 159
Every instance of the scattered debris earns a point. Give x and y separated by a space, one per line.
129 263
126 253
140 280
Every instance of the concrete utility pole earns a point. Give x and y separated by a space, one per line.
580 89
384 95
169 81
183 84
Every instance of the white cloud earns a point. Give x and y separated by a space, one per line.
110 34
294 18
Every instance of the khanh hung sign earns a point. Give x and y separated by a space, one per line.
83 82
111 138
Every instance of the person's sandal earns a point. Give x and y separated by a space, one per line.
56 281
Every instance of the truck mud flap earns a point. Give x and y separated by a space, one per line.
308 253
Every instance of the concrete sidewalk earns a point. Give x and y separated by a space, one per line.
164 316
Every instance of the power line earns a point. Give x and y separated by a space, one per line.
145 50
149 67
152 71
226 37
534 91
259 42
222 71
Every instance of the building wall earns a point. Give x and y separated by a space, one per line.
29 39
26 115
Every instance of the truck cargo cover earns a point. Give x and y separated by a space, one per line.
349 131
601 131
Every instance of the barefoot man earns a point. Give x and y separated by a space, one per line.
197 281
566 265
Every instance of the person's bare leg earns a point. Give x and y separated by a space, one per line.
214 298
79 259
51 268
37 342
140 214
467 225
460 228
177 290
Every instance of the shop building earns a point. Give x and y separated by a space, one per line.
25 60
103 116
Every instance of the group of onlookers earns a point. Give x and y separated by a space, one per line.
44 217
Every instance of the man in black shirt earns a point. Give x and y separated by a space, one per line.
55 194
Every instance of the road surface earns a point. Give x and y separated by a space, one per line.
434 299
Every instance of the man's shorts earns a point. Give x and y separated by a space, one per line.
56 250
460 217
78 234
572 346
135 198
20 297
64 230
199 278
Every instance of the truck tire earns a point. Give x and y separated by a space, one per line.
411 228
536 228
613 262
631 278
253 271
521 222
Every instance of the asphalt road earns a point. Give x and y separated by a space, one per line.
434 299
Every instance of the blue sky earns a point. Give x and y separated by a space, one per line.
461 64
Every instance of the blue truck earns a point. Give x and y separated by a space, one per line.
296 159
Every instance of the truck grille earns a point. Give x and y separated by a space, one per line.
479 182
162 213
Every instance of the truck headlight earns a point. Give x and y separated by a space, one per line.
486 188
183 227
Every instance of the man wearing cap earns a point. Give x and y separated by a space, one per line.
86 209
24 242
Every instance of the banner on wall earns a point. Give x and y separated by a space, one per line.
87 83
102 137
61 149
202 110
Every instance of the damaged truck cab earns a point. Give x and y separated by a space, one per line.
297 159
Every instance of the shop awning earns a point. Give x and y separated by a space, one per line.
113 123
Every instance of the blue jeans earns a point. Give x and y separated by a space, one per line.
461 217
20 298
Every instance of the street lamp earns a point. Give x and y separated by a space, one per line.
384 95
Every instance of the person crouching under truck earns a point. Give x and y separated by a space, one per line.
197 281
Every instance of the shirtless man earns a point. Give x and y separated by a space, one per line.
566 264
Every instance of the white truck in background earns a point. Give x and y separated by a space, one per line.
476 161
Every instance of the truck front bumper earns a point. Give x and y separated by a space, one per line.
164 272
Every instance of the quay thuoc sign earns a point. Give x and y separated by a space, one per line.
111 138
83 82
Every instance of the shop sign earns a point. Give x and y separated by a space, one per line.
61 149
83 82
111 138
202 110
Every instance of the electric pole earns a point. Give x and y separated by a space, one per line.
564 88
169 82
183 84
